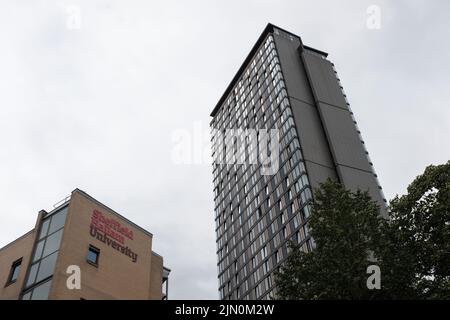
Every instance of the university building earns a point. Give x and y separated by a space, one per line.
294 89
112 255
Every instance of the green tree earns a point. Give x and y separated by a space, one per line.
416 260
412 247
347 230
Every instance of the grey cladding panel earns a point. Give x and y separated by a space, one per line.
355 179
293 70
344 140
318 174
323 80
312 138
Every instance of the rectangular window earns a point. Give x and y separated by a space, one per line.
39 292
46 268
58 220
15 271
277 257
93 255
283 218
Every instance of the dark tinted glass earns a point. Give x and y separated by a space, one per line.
93 256
32 274
15 271
47 267
58 220
41 292
38 252
52 243
44 228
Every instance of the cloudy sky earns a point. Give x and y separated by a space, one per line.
94 93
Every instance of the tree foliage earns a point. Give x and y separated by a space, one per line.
411 248
417 256
347 230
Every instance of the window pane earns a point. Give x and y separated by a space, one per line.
47 267
92 256
15 272
38 253
58 220
26 296
41 292
44 228
32 275
52 243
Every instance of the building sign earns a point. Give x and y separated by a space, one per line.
112 233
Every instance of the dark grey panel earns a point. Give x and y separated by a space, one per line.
292 67
348 153
323 80
343 137
355 179
318 173
312 137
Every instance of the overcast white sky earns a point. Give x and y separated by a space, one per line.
95 107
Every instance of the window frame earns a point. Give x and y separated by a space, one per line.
43 238
97 253
48 281
16 264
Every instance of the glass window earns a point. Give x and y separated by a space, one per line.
41 292
32 274
15 271
38 252
44 228
94 253
307 211
26 296
52 243
58 220
47 266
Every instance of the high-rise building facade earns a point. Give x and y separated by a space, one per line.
286 86
82 250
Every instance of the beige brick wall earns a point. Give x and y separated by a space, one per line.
156 277
116 277
21 248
